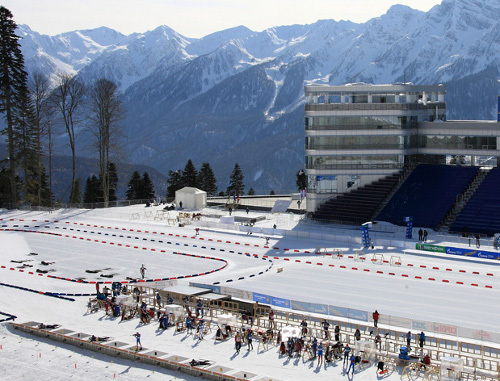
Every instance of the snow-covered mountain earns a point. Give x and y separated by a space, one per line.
237 95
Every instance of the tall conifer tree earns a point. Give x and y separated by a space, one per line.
13 80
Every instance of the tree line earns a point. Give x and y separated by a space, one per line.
33 108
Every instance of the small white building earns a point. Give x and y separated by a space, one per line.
191 198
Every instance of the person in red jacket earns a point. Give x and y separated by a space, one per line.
375 318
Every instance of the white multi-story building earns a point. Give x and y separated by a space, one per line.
359 133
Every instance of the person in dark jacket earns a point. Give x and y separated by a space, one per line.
375 316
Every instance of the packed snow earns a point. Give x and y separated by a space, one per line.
111 242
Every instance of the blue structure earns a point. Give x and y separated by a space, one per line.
365 234
409 227
482 212
427 194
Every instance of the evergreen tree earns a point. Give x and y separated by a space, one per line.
272 193
207 180
13 80
147 188
236 186
27 155
189 175
76 193
113 181
301 180
174 182
251 192
93 190
45 193
134 186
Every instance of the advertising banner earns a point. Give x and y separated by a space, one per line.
278 302
261 298
309 307
215 289
433 248
472 253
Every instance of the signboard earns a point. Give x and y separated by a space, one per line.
466 252
433 248
261 298
279 302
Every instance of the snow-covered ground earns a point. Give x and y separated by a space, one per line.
449 290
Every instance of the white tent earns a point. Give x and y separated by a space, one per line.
191 198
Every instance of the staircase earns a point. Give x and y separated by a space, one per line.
462 200
359 205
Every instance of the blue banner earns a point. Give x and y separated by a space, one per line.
215 289
278 302
472 253
338 311
309 307
261 298
358 314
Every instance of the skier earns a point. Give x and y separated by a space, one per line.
158 299
315 347
337 333
320 354
250 339
143 271
353 362
138 341
237 342
347 350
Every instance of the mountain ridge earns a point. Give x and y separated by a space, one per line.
236 95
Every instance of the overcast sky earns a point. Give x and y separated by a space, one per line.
192 18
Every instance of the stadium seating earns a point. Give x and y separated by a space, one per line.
427 194
359 205
482 212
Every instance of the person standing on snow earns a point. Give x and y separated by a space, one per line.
143 270
138 341
347 350
375 316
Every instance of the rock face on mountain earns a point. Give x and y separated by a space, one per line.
237 95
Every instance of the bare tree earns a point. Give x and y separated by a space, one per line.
106 111
40 88
68 97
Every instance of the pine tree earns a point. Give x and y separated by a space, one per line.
76 193
134 186
207 180
26 147
236 186
251 192
147 189
301 180
113 181
13 79
93 190
45 194
189 175
174 182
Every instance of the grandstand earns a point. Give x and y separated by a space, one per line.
427 194
482 212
